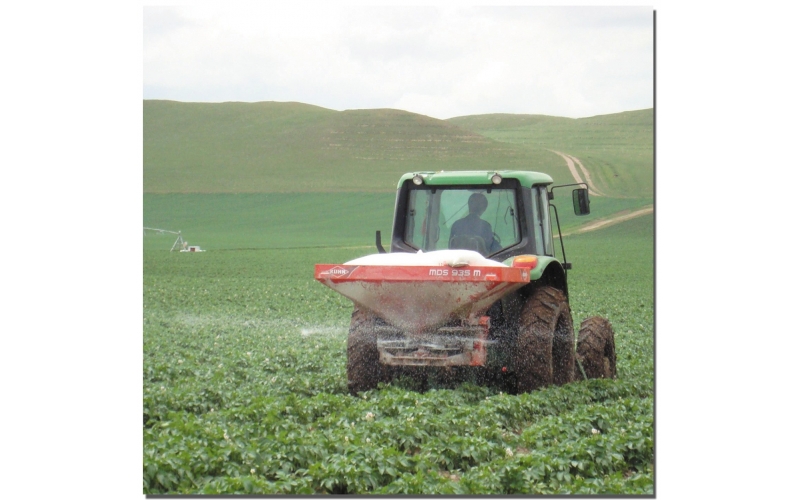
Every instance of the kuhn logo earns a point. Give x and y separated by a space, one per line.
337 271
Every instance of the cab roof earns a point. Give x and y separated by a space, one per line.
464 177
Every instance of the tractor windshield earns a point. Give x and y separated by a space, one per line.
479 219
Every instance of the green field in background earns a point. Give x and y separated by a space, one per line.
283 220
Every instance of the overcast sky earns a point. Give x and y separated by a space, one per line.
438 61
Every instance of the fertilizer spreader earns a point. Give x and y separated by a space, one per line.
429 314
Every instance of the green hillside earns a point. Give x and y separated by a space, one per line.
292 147
292 172
264 147
617 149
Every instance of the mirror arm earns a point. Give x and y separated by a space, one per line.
378 242
550 191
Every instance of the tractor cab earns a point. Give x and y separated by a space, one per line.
498 214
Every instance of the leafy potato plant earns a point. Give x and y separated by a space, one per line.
245 388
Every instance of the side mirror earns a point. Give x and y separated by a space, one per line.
580 201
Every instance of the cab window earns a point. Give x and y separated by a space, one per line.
480 219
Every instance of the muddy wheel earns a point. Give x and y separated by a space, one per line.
596 351
544 353
364 371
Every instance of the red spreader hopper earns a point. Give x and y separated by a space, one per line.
417 299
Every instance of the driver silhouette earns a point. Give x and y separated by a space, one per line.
472 232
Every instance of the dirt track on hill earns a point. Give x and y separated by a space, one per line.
571 161
609 221
587 176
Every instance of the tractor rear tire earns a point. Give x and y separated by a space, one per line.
544 351
364 369
596 351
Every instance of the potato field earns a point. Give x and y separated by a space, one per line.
245 389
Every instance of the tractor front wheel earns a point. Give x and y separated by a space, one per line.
544 352
364 370
596 351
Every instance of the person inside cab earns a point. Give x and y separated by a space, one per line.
472 232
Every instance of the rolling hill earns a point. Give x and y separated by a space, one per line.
271 175
617 149
293 147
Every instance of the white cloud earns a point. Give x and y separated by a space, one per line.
438 61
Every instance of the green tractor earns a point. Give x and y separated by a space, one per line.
500 309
